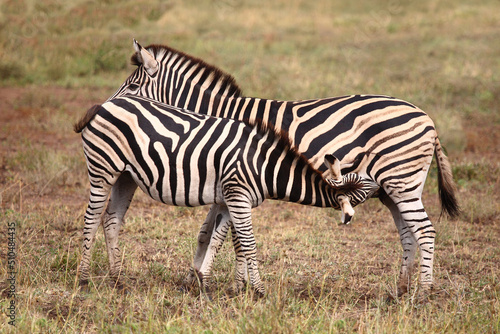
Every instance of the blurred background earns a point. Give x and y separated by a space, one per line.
444 56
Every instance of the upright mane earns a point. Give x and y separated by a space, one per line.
284 141
160 52
282 137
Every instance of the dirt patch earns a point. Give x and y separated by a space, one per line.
36 128
25 112
483 139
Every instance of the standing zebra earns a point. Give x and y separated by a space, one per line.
383 139
186 159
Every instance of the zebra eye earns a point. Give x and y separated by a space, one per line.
133 87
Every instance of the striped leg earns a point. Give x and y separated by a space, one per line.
417 221
204 237
216 239
97 201
409 246
415 228
241 275
241 216
206 242
210 239
119 202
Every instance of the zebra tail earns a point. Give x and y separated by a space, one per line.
446 185
82 123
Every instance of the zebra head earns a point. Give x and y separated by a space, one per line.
143 80
362 188
173 77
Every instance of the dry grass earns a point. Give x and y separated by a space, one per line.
321 276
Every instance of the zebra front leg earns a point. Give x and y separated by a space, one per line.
221 227
241 271
420 231
204 237
209 244
121 195
408 243
241 216
92 218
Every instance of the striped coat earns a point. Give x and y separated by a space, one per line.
387 140
186 159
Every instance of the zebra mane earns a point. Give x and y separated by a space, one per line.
158 51
349 184
282 137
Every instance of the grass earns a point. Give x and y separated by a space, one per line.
57 58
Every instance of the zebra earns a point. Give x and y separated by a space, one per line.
383 139
186 159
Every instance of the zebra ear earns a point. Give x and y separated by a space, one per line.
333 165
137 46
146 59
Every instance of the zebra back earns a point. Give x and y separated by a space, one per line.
182 158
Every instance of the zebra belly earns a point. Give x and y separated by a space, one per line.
179 192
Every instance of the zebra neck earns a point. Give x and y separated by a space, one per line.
247 108
289 177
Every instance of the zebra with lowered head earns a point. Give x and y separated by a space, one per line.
186 159
387 140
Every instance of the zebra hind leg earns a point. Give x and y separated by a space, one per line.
420 226
241 216
122 193
92 218
415 228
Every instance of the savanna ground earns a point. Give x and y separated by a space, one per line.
57 58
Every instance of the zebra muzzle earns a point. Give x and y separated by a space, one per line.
346 208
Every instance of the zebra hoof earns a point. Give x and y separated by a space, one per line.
425 294
402 289
190 280
238 288
259 292
84 286
121 288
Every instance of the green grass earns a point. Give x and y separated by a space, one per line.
57 58
314 284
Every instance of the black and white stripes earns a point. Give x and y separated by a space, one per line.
186 159
380 138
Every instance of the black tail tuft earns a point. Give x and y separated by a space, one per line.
447 188
449 202
82 123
